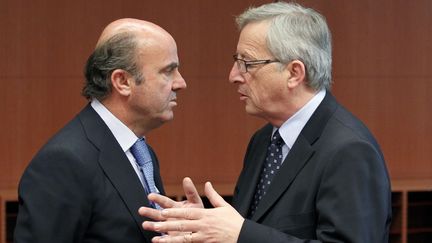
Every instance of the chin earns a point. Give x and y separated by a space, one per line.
168 116
253 111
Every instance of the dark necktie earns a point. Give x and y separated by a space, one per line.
271 166
142 156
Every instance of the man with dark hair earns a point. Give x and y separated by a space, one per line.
87 183
314 173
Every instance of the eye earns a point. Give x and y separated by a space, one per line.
170 69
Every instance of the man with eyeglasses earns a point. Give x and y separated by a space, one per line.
314 173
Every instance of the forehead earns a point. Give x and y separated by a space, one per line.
158 49
252 41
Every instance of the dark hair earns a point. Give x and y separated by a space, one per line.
121 51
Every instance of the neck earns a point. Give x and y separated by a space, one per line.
297 99
120 110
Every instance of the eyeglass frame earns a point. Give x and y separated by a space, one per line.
247 64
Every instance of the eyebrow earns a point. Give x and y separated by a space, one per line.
244 55
172 65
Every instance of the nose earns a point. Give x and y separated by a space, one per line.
235 75
179 82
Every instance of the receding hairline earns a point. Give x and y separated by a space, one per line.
132 26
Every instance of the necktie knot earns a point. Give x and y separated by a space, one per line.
277 139
141 152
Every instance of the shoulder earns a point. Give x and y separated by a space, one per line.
345 127
69 151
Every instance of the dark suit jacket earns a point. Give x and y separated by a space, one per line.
332 187
81 187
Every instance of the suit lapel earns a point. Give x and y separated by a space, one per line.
116 165
293 163
301 152
255 160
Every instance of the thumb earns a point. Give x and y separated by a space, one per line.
215 199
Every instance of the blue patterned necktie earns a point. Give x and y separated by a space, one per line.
272 164
142 156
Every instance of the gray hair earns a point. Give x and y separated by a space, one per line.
296 33
121 51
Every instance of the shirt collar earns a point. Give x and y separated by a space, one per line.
124 136
291 128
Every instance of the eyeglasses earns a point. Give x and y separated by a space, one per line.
243 65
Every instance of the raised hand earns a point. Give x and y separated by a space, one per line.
219 224
193 200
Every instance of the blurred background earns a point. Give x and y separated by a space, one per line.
381 72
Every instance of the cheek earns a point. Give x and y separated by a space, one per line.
166 92
268 97
258 91
160 90
163 95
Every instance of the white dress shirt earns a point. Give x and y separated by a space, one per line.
124 136
292 127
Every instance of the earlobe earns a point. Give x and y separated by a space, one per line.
297 71
121 82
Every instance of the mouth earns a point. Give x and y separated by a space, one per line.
173 101
242 95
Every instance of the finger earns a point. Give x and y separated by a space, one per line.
184 238
151 213
215 199
191 192
182 213
171 226
162 200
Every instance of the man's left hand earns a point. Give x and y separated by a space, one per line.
219 224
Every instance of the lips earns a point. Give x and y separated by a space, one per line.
242 94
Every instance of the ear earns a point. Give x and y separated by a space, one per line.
297 72
121 82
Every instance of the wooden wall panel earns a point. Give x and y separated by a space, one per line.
381 71
382 74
